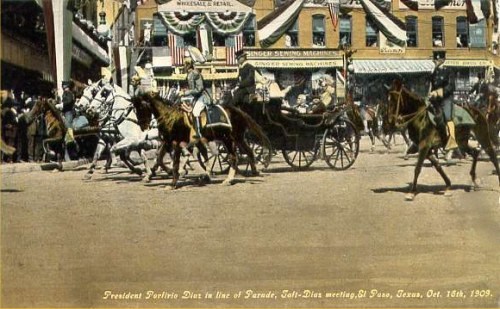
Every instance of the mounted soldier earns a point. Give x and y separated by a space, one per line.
441 98
195 93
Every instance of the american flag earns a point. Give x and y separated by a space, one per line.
177 53
234 44
334 7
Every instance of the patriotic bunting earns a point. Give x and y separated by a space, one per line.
176 52
274 25
393 28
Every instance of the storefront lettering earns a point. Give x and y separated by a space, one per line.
391 50
204 3
291 53
297 63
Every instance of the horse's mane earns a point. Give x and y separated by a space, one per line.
412 95
168 115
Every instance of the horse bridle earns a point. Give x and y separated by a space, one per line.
402 120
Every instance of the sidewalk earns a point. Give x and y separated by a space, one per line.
10 168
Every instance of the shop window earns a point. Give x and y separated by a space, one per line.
218 39
345 30
411 31
477 33
318 30
371 33
159 32
189 40
249 32
462 32
292 35
437 31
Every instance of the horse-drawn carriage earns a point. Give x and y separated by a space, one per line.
304 138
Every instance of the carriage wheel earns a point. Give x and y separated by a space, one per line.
218 162
262 154
300 159
341 144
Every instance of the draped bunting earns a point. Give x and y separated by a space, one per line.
274 25
477 10
227 23
182 23
393 28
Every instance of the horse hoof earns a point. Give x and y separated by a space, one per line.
447 193
410 197
146 179
228 182
87 176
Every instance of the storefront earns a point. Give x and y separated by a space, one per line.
299 68
371 77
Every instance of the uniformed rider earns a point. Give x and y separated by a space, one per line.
196 92
441 98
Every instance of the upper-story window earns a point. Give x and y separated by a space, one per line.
345 30
477 34
411 31
371 34
249 32
292 35
159 32
437 31
462 32
318 30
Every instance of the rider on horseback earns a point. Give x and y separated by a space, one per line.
197 93
441 98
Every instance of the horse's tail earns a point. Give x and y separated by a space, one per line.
482 129
252 125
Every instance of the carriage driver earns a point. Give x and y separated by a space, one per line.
441 98
246 79
197 92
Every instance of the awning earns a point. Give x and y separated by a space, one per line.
297 63
467 62
392 66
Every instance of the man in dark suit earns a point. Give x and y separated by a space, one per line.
246 80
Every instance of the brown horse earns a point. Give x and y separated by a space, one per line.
177 130
56 128
406 108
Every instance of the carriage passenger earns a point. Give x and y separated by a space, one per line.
68 102
479 88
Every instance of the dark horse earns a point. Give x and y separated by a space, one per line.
56 128
176 129
406 108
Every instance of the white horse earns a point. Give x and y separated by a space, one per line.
118 121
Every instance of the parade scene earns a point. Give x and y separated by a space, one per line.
250 153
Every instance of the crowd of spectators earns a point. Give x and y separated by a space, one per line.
26 139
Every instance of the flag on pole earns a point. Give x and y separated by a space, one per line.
334 8
234 44
176 52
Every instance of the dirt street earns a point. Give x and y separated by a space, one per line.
317 238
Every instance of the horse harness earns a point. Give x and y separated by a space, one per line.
406 119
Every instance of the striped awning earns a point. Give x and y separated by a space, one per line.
392 66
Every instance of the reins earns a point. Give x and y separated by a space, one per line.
405 118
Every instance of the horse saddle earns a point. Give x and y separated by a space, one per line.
216 117
460 117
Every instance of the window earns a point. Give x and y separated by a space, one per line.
292 35
345 30
318 30
437 31
411 31
371 34
249 32
477 33
189 40
159 32
218 39
462 32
